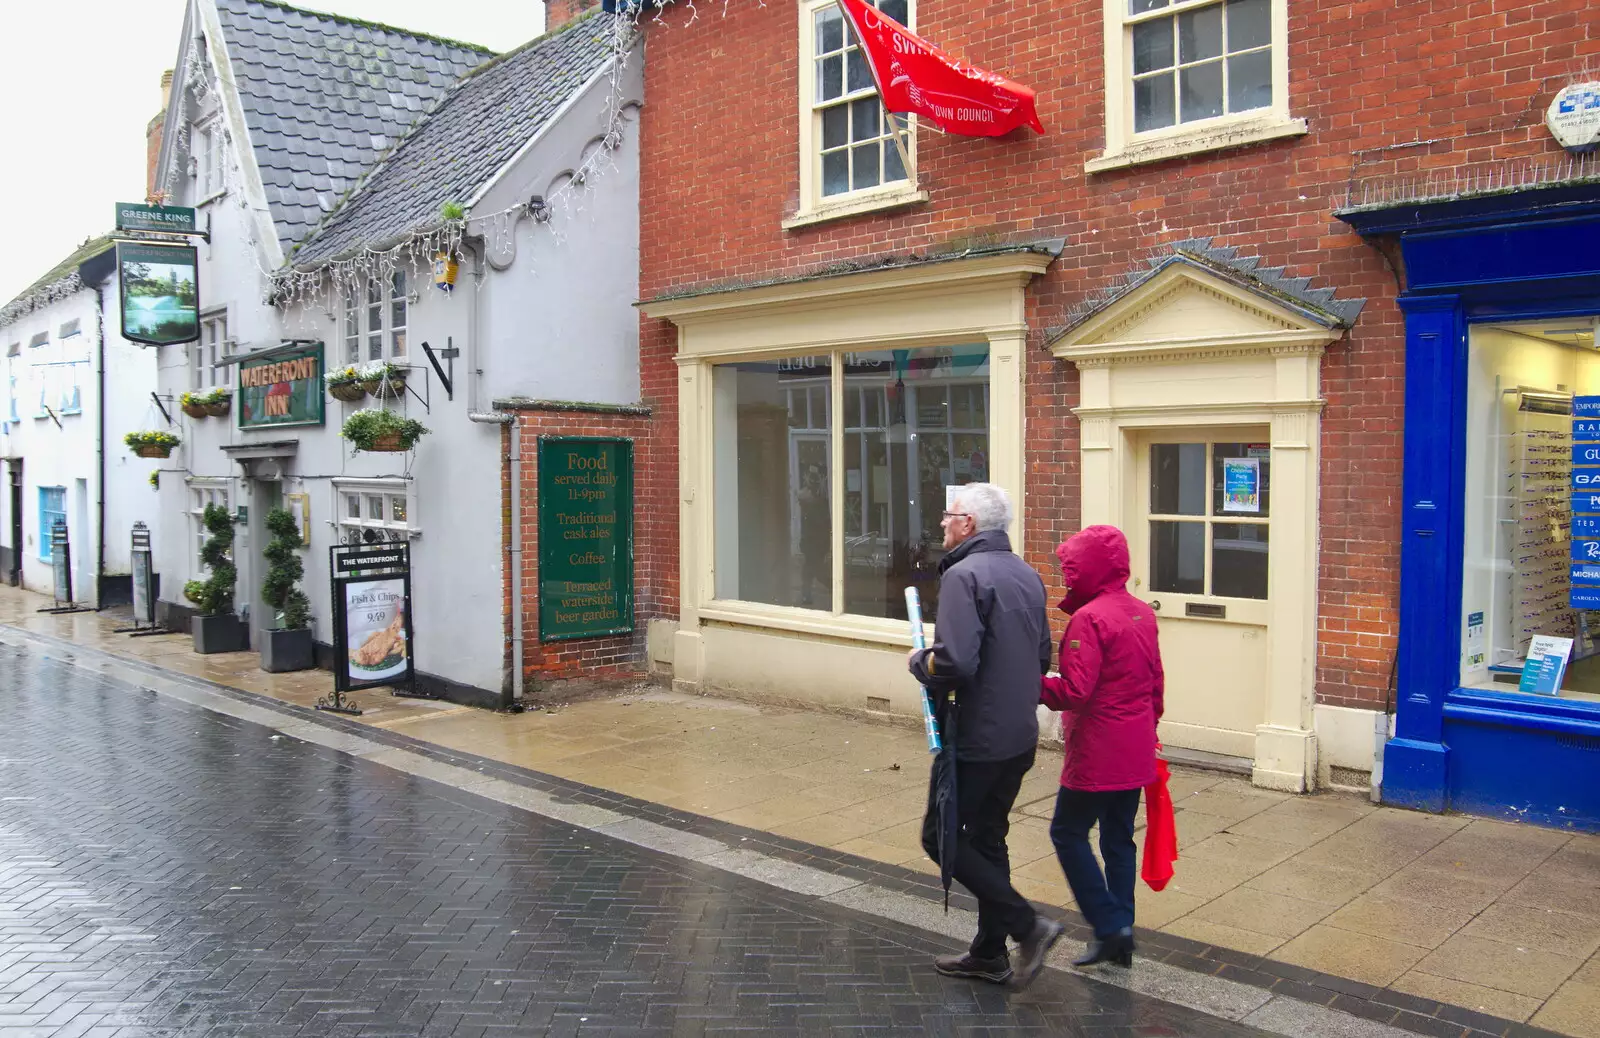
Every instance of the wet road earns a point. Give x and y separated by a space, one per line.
169 871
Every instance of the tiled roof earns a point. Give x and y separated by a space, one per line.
58 279
325 97
464 142
1319 304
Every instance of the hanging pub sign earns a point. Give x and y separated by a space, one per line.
283 389
168 219
160 292
585 537
372 616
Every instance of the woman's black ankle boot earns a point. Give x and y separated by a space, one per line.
1116 949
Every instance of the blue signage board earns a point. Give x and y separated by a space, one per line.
1586 478
1586 526
1586 551
1585 598
1586 573
1589 501
1586 429
1586 453
1586 407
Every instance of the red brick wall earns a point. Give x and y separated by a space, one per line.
619 655
559 12
719 173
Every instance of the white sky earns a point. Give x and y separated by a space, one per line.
82 79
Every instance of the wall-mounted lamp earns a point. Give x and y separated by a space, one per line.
538 209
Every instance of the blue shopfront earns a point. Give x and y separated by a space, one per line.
1501 300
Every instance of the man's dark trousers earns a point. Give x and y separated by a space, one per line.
985 791
1106 901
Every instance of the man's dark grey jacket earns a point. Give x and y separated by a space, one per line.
993 646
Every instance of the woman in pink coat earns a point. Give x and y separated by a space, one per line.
1111 685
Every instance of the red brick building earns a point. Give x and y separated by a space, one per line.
1150 315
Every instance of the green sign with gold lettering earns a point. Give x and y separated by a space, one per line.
585 537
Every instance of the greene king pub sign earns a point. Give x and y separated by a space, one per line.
160 292
284 389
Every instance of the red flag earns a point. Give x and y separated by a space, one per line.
915 76
1160 830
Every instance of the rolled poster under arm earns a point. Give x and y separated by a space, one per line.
929 720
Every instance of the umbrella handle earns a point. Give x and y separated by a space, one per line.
929 720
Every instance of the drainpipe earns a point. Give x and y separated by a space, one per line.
100 441
514 457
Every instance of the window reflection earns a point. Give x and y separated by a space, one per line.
914 424
773 492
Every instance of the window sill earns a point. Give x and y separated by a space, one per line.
856 206
1213 136
848 627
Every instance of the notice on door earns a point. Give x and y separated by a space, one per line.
585 537
1241 485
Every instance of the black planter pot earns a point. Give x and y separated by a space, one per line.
220 633
286 650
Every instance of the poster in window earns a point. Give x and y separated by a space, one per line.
1241 485
375 629
160 293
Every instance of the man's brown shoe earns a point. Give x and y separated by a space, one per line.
995 971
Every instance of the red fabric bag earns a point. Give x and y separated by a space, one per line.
1160 830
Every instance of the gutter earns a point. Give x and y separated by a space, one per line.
513 699
100 441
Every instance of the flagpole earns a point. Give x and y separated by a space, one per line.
894 131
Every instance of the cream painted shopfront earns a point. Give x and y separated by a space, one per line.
823 423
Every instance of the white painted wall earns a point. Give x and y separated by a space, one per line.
557 322
68 454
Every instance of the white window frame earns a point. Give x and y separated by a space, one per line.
208 153
380 321
1125 148
211 347
209 489
349 528
815 207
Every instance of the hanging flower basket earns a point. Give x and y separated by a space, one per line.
384 381
373 429
151 444
218 403
346 384
193 405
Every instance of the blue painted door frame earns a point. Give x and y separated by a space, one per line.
1530 255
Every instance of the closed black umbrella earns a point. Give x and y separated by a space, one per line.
944 796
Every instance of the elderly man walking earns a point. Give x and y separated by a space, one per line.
992 649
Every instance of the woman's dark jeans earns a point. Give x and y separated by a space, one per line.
1106 900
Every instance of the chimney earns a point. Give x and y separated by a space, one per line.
559 12
152 140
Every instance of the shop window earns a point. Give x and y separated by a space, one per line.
371 510
914 425
1209 508
849 157
212 347
1532 531
1190 75
203 492
52 510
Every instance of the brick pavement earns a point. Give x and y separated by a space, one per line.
1444 925
165 870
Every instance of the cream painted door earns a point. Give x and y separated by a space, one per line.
1201 501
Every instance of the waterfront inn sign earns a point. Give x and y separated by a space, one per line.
585 537
283 389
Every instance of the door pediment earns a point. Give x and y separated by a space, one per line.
1185 309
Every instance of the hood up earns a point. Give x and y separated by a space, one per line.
1093 561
